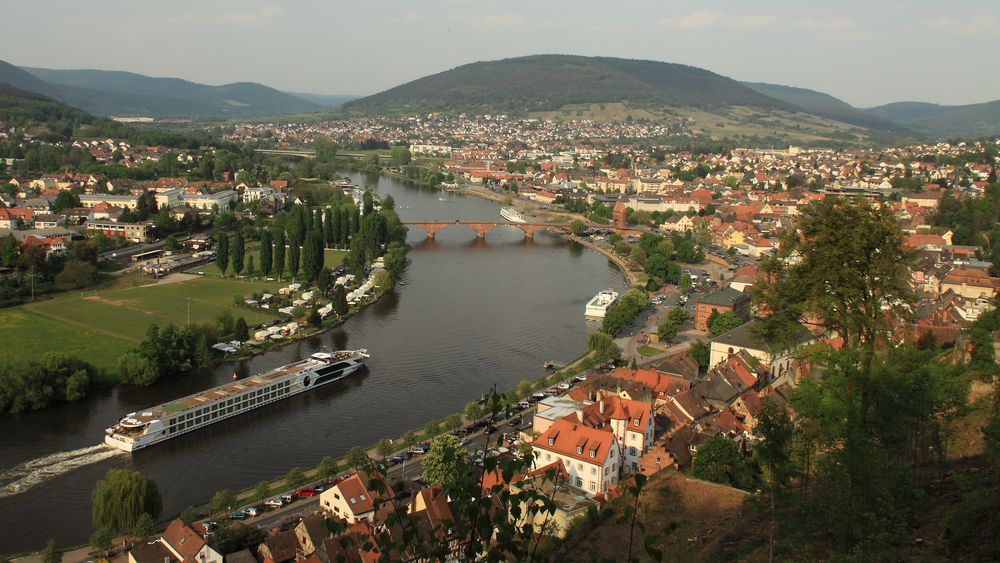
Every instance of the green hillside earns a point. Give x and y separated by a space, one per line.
966 121
548 82
125 93
39 115
825 105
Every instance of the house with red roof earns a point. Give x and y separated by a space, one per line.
180 542
350 499
591 456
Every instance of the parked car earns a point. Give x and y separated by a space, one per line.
253 512
238 515
274 503
306 492
523 405
420 449
564 386
287 499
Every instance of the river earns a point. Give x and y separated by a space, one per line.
469 313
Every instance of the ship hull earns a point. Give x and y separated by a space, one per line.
160 431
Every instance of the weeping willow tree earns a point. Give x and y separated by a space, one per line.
122 497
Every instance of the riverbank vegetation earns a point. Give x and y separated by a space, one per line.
38 383
624 311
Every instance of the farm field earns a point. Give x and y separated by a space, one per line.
100 326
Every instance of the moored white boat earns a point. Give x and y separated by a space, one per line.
599 305
512 215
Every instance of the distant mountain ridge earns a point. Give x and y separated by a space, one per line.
825 105
965 121
126 93
548 82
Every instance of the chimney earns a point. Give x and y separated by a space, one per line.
601 406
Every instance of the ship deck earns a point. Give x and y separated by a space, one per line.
214 394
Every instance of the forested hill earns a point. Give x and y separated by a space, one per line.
548 82
125 93
825 105
967 121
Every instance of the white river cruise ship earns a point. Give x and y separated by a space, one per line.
144 428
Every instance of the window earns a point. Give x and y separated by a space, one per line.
632 451
593 470
353 501
548 457
579 482
593 453
593 486
363 497
552 441
579 450
636 422
336 496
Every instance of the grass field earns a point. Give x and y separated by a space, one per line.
649 351
100 326
332 259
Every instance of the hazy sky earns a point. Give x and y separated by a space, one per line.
865 52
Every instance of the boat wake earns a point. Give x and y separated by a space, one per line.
27 475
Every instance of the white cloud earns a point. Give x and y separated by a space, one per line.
704 19
492 20
832 24
232 19
408 18
967 26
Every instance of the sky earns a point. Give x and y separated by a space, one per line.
865 52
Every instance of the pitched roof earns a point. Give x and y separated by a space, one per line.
184 539
355 491
571 439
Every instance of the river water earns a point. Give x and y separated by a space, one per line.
470 313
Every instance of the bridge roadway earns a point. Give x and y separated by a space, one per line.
312 154
431 228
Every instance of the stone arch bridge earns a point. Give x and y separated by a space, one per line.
431 228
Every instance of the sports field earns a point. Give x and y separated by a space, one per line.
99 326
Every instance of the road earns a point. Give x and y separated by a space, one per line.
478 440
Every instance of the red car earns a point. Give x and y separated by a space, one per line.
306 492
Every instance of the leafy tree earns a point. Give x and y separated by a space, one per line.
666 330
294 257
399 156
77 274
222 253
720 323
239 253
137 369
66 199
327 467
266 251
261 490
312 255
339 300
171 244
357 458
9 251
315 320
122 497
625 311
101 539
240 330
445 461
233 537
278 266
719 460
51 553
223 501
189 514
701 353
603 346
145 526
384 447
388 203
577 227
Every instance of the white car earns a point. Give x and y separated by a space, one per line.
275 503
564 386
252 512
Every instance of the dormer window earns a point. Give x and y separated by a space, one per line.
363 497
593 453
579 450
552 441
353 501
635 421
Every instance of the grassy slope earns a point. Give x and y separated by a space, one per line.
99 328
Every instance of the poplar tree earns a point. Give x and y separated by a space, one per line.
265 253
222 253
279 253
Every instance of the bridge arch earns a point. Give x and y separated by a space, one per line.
431 228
